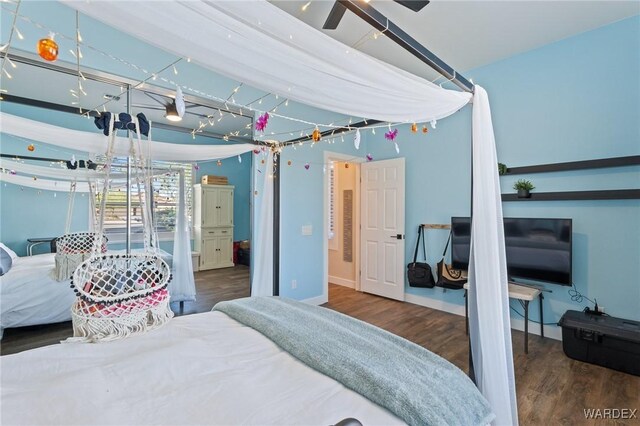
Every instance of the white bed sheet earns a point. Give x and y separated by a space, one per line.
198 369
29 294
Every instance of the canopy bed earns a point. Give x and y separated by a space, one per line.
259 44
223 367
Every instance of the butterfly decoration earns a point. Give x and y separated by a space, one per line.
262 121
391 135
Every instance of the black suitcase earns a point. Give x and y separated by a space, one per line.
603 340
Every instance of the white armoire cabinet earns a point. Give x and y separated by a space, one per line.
213 225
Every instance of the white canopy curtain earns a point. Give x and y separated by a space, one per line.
257 43
262 239
94 142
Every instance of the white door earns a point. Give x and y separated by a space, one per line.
382 223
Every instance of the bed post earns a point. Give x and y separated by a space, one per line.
472 373
276 223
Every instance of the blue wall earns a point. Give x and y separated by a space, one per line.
572 100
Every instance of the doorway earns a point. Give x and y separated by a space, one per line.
375 229
342 221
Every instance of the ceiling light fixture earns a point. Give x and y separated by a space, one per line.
172 112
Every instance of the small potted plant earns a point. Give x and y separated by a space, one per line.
502 169
524 188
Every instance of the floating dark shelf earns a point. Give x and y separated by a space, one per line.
614 194
632 160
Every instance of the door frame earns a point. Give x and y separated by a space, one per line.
328 157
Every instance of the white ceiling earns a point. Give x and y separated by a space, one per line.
468 34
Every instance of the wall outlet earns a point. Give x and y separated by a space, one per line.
294 284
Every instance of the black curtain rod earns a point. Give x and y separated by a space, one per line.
27 157
358 125
75 110
373 17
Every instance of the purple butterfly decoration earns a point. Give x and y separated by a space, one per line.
391 134
369 157
306 166
261 122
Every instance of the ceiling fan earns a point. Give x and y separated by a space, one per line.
173 110
338 9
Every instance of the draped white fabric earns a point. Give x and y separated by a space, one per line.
43 184
259 44
489 322
95 142
262 243
182 287
81 175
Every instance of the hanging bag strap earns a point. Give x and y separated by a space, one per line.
424 250
447 246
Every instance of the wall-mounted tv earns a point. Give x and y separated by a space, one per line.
537 249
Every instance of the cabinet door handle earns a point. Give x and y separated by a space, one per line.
212 232
224 232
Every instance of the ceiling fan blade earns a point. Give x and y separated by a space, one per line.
336 14
415 5
148 106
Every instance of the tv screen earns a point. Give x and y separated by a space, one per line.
537 249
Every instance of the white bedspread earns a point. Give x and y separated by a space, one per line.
198 369
29 295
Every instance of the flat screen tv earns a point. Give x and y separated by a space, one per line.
537 249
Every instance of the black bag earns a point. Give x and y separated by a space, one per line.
447 276
419 273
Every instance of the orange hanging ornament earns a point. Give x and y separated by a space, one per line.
31 148
346 165
425 129
414 128
47 48
316 135
289 163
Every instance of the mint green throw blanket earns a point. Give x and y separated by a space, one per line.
416 385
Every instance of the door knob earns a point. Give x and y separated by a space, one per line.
398 236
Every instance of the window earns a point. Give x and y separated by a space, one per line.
165 200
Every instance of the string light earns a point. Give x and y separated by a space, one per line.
154 76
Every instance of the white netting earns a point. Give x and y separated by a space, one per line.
119 295
73 249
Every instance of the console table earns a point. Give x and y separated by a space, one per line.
522 294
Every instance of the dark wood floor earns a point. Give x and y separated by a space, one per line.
552 389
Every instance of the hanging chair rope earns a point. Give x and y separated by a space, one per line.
122 294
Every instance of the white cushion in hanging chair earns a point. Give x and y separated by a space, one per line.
119 295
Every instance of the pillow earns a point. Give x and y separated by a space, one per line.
10 252
5 261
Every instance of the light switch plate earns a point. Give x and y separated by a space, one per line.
307 229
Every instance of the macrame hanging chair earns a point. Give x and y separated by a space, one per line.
121 294
74 248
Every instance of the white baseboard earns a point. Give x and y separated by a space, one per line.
551 331
318 300
440 305
342 281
